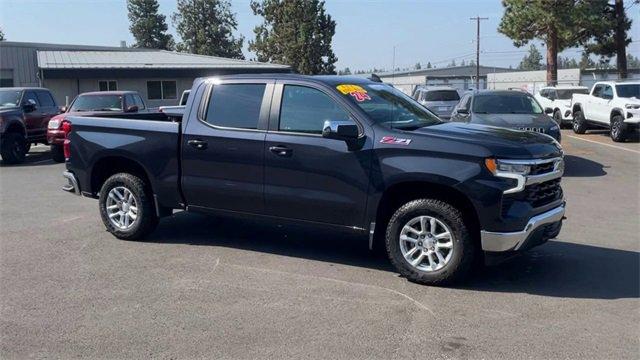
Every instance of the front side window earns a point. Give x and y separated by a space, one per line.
107 85
138 101
304 110
45 99
97 103
628 90
161 90
30 95
597 91
607 92
388 106
235 105
506 104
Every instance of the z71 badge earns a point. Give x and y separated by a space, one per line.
394 140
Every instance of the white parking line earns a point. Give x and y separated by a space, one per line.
599 143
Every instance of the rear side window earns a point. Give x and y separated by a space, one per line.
138 101
304 110
30 95
235 105
45 99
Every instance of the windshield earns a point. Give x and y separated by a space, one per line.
442 95
9 98
97 103
389 106
628 91
505 104
567 93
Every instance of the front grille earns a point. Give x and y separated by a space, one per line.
543 193
534 129
543 168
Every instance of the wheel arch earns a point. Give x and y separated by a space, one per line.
614 112
15 126
400 193
576 107
107 166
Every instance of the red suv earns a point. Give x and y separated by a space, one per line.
87 104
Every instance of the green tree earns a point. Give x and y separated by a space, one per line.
559 23
452 63
1 35
429 65
533 60
633 62
417 66
586 62
610 36
147 26
295 32
346 71
206 28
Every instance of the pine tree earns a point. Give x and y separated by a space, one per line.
1 35
147 26
206 28
346 71
417 66
559 23
633 62
295 32
531 61
428 65
586 62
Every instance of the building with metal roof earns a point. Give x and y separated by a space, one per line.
159 76
461 78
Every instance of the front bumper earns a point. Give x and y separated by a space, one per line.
533 233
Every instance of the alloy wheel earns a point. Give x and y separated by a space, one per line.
122 207
426 243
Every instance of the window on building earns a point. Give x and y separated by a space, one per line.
235 105
162 90
304 110
107 85
6 77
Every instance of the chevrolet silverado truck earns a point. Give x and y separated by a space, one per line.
612 105
345 153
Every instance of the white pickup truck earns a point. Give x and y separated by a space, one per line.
612 105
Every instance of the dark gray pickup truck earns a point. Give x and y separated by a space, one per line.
339 152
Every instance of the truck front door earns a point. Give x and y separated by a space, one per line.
223 147
308 177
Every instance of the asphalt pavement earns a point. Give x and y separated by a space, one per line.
204 287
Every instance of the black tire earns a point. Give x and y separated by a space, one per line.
618 130
13 148
57 153
464 249
146 220
27 147
558 118
579 123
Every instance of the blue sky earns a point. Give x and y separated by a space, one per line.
366 31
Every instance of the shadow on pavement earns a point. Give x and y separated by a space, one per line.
37 157
576 166
634 137
555 269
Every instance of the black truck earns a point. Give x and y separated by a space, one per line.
340 152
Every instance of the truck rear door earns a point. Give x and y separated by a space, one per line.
309 177
223 146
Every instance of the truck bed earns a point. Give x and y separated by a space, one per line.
153 144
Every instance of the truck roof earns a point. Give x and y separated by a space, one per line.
118 92
325 79
632 82
21 88
565 87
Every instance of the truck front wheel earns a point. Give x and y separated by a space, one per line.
13 148
428 242
618 129
126 207
579 123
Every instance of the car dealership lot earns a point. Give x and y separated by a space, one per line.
206 287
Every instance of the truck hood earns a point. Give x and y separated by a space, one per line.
11 111
498 141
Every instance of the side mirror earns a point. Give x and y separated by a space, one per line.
463 111
131 108
29 105
548 110
340 130
63 109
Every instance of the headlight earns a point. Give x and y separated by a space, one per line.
53 124
632 106
502 167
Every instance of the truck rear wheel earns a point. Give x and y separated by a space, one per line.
428 242
13 148
126 207
579 123
618 130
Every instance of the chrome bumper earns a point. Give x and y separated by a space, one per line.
72 185
508 241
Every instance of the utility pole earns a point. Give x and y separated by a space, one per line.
477 19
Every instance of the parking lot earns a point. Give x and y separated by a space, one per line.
216 288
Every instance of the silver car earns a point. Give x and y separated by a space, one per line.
441 99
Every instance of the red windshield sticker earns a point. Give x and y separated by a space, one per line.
356 91
395 140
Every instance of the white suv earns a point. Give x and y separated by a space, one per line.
613 105
558 98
